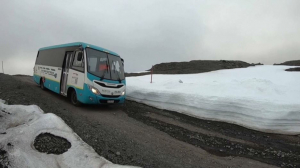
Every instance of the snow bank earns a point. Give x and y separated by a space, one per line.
264 98
23 123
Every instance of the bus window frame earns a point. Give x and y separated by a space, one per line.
107 58
73 57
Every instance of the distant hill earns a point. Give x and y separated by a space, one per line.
195 66
293 69
291 63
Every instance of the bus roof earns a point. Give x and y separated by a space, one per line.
84 45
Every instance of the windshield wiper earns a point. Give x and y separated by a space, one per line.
119 79
107 66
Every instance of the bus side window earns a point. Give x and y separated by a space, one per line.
78 63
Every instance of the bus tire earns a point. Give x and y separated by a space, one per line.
42 84
74 99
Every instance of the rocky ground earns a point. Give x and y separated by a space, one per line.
136 134
279 150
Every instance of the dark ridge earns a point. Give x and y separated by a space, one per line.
257 64
293 69
290 63
195 66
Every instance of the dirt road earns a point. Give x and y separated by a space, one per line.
140 135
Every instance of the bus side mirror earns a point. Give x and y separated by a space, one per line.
79 56
122 61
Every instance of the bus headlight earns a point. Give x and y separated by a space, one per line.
94 90
123 93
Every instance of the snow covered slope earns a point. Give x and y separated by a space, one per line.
19 125
264 98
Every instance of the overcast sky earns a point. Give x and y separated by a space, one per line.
154 31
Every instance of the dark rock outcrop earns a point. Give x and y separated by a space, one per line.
290 63
257 64
293 69
195 66
51 144
4 162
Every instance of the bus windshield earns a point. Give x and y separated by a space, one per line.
104 65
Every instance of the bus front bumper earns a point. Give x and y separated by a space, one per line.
99 99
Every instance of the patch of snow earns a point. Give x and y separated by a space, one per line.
264 98
23 123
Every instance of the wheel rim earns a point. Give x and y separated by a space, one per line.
74 98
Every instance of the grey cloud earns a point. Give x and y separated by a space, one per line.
149 32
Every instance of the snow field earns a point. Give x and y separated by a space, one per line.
264 98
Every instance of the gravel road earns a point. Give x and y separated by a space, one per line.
136 134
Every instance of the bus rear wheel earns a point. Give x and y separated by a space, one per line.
74 99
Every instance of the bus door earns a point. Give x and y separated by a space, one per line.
65 73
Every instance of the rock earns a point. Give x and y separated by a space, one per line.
4 162
118 153
51 144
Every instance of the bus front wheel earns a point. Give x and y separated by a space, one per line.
74 99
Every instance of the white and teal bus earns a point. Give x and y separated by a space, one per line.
82 72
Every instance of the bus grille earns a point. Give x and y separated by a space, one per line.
111 96
103 85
